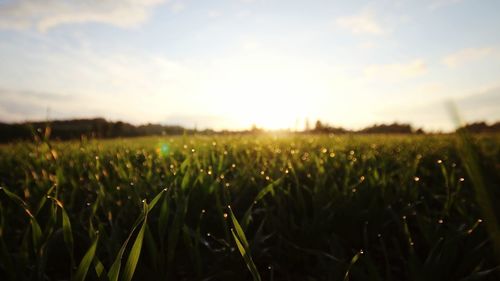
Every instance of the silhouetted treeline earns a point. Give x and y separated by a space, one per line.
75 129
394 128
101 128
482 127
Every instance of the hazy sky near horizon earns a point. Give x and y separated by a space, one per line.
233 63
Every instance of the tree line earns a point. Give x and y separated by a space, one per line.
101 128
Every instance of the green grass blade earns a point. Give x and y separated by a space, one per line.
246 257
67 233
483 197
36 232
243 246
134 254
114 271
83 268
239 230
351 264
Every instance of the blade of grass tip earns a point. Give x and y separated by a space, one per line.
248 259
68 234
243 246
268 189
114 271
83 268
134 254
12 196
36 232
470 162
351 264
239 230
100 270
156 199
66 226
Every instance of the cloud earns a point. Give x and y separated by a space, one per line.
214 14
46 14
477 105
436 4
177 7
396 71
23 105
362 23
469 55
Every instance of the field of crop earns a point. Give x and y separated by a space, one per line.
251 208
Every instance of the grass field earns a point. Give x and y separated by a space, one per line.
251 208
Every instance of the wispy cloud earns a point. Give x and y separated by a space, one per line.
469 55
47 14
177 7
436 4
362 23
396 71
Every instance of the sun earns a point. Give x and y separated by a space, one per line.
269 95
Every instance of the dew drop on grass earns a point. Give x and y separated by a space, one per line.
440 221
461 179
439 161
225 215
416 179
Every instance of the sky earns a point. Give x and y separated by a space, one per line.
233 63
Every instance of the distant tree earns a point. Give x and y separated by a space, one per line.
318 126
482 127
394 128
